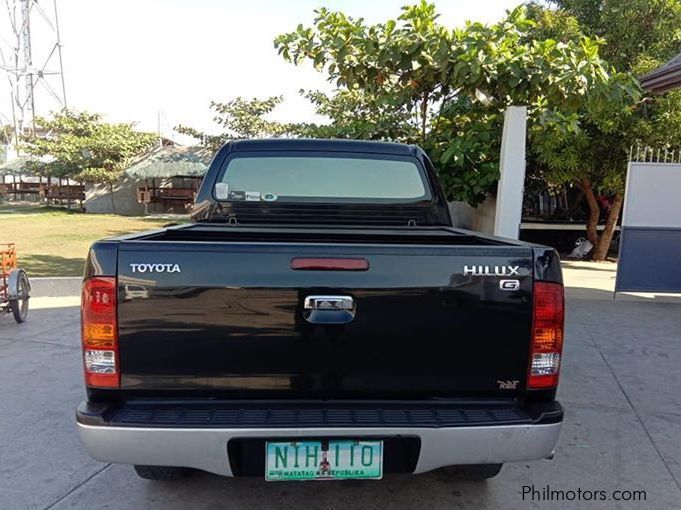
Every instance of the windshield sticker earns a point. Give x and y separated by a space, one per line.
237 195
222 191
269 197
252 196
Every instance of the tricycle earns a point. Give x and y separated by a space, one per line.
14 285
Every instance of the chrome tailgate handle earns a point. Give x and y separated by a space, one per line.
329 303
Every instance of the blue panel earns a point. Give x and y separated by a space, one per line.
649 260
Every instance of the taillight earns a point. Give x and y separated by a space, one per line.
547 335
99 332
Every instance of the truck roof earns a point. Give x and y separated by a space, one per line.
326 145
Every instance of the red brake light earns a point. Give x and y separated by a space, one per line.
329 264
99 332
547 335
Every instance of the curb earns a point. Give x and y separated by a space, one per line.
56 287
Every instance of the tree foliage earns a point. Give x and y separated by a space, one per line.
240 118
81 146
356 114
631 29
419 64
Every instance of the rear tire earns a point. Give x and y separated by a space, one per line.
161 473
19 306
474 471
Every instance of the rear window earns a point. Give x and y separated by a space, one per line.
301 178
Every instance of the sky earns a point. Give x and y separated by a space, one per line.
131 59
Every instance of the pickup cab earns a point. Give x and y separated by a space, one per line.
320 318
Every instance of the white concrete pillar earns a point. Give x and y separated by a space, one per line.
512 167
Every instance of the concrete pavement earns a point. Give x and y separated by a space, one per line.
56 286
621 386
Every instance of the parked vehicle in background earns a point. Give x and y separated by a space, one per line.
320 318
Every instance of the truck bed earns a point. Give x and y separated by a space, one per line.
437 235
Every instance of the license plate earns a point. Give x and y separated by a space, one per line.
328 460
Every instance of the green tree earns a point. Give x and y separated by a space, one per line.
452 85
632 29
240 118
357 115
81 146
637 36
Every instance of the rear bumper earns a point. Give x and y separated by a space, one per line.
205 448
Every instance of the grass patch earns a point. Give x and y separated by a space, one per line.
54 242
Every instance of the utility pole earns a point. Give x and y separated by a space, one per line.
29 67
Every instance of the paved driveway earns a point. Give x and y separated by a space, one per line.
621 388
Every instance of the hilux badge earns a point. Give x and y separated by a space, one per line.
490 270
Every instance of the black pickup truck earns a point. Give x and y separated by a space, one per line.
320 318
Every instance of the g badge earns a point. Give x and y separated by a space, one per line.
509 285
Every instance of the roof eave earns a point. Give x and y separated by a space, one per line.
663 79
662 82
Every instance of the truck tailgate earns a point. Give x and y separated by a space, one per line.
229 318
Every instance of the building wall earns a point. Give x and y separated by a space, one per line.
650 245
98 198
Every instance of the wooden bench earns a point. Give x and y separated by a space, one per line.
68 192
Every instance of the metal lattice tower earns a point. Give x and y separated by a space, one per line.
31 59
